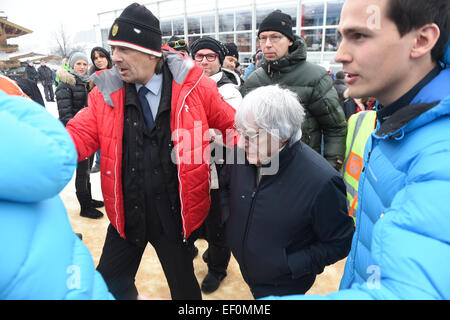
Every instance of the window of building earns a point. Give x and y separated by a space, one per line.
313 39
226 22
334 11
208 24
244 42
243 20
331 40
226 37
178 26
312 14
193 25
166 27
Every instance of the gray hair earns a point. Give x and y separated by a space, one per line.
274 109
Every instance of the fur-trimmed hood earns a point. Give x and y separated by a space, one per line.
65 76
69 77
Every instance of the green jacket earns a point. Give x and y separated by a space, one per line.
313 85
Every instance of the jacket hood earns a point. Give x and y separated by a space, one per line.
297 53
38 156
65 76
109 81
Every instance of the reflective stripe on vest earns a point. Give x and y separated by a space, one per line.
360 126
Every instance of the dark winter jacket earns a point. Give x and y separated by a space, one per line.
151 202
31 89
284 231
350 107
31 73
316 93
71 95
45 75
340 86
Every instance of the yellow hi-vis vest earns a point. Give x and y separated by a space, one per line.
360 127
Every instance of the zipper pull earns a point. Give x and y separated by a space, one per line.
367 162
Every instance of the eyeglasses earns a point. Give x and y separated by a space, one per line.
242 132
177 44
273 38
209 57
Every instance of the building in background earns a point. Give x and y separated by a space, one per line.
238 21
12 58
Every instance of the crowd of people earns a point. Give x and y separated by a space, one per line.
281 166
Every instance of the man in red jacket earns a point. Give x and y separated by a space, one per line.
150 116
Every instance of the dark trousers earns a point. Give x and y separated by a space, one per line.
48 90
83 181
120 261
218 254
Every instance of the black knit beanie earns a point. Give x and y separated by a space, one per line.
209 43
232 49
137 28
278 21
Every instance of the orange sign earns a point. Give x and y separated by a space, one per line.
354 166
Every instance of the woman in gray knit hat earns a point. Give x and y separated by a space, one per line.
71 97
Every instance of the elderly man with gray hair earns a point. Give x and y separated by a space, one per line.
283 225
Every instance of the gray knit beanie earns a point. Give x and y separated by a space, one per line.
77 56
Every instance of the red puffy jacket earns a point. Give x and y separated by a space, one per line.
196 107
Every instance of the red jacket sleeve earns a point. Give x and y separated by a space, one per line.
220 116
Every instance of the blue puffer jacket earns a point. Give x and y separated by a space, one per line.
401 246
40 255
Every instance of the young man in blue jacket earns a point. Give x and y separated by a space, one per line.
398 52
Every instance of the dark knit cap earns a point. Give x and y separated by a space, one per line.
278 21
232 50
209 43
137 28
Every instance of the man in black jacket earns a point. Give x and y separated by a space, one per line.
284 205
340 86
209 54
31 72
46 77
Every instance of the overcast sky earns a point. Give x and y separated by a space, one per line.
43 17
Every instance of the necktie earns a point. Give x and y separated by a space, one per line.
146 107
